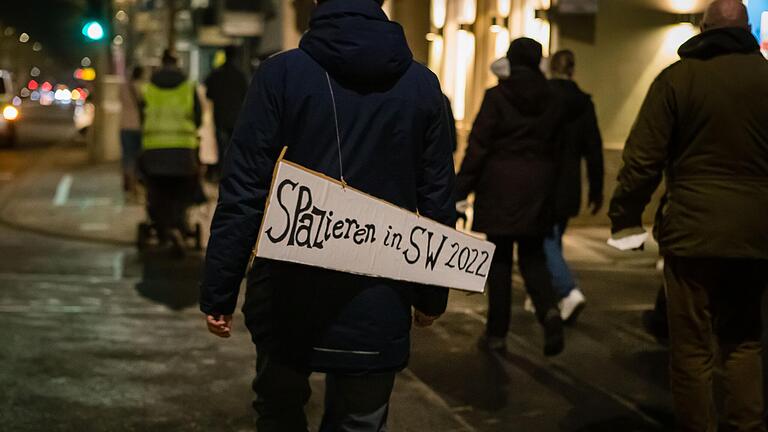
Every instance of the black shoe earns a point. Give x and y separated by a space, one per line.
493 344
554 339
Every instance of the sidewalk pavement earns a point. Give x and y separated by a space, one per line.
611 377
62 194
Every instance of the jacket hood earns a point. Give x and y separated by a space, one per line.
713 43
525 52
168 77
500 68
527 89
355 41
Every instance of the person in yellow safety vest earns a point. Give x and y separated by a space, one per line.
171 115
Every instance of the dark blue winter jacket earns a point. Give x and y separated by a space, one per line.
396 145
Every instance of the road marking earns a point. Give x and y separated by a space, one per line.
62 191
117 265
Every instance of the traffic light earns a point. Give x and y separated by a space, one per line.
93 30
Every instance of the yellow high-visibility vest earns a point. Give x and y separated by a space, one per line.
169 117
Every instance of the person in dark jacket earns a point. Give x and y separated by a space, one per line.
510 164
704 128
579 140
395 144
170 117
226 87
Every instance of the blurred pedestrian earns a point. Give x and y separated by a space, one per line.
169 159
225 87
704 128
130 130
579 140
510 164
353 70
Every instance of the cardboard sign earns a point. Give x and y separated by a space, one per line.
315 220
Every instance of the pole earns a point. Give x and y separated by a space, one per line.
104 136
172 9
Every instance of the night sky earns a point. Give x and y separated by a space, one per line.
55 24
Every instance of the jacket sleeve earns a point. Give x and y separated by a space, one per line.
593 154
435 194
247 173
645 156
477 149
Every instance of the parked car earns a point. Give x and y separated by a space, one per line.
10 111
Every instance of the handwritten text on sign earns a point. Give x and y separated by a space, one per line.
311 219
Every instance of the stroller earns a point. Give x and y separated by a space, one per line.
169 198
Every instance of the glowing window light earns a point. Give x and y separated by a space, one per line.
467 12
438 13
676 36
465 48
501 44
504 7
683 6
436 52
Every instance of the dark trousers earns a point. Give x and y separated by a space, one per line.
168 198
353 403
130 143
714 307
533 267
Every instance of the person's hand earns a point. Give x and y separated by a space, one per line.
420 319
595 204
221 326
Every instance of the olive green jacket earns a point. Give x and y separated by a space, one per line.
703 128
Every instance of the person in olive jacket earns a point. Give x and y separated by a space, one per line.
704 128
510 164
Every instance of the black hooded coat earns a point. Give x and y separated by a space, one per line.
395 144
510 162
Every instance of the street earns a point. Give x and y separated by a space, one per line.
98 337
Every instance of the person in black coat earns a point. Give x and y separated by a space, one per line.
395 145
226 87
510 164
579 140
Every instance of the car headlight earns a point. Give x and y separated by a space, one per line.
10 113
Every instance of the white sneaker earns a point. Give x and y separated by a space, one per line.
528 305
572 305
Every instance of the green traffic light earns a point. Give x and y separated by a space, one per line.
93 30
